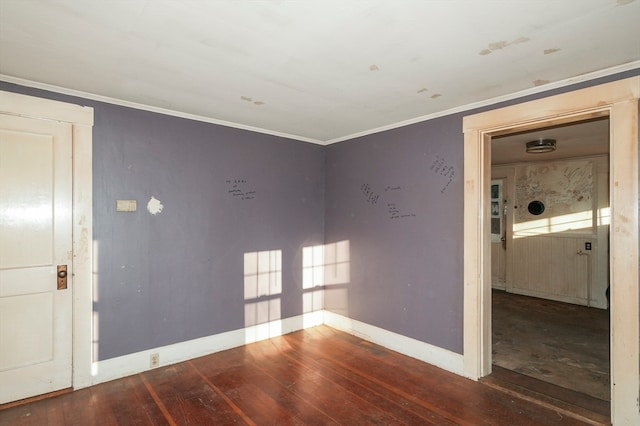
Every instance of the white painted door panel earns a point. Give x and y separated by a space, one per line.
35 237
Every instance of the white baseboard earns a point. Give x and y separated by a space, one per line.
422 351
126 365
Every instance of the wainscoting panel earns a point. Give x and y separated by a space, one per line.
552 267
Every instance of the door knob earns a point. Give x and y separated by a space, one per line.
62 277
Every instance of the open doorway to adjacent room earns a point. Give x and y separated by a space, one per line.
617 101
550 261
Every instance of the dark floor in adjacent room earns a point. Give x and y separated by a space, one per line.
317 376
561 344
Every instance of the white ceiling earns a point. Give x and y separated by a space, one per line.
579 139
314 70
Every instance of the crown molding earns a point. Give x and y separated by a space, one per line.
475 105
492 101
144 107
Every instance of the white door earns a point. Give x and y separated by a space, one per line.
35 238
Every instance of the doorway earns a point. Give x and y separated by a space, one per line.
618 101
550 319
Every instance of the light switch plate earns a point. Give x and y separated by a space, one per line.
126 205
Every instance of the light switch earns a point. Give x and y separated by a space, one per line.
126 205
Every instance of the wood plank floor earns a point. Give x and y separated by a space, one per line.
563 400
318 376
559 343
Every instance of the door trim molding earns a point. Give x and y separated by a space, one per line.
619 101
81 119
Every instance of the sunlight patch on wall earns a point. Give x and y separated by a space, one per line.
581 221
325 271
262 294
95 323
337 258
313 278
604 216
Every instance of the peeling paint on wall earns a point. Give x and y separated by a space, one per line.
154 206
565 187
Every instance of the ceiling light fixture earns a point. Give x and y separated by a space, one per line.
541 146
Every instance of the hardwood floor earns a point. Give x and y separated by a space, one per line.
317 376
563 400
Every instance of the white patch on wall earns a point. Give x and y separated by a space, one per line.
154 206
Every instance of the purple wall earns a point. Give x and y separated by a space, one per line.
395 196
405 273
178 275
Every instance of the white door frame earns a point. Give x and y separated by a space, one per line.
81 119
619 101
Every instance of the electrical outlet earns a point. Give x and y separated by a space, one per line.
154 360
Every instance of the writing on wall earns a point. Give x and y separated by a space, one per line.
240 189
393 209
395 213
369 196
564 187
441 167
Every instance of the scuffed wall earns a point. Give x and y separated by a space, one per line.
406 275
392 222
563 188
559 247
175 269
396 198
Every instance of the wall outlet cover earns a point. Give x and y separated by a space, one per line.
154 360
